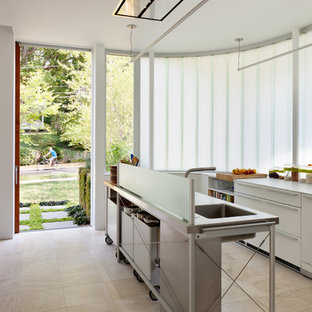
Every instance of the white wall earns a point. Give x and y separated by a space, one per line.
7 132
98 137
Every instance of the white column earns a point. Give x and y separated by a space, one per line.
151 109
136 108
295 101
7 139
98 137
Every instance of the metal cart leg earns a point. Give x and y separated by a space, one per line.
192 273
272 268
118 229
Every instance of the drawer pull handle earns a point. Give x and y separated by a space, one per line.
286 235
267 201
282 206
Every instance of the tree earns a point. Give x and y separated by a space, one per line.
119 102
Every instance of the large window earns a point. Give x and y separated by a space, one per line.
208 113
119 108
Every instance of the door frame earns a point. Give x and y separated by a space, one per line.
17 135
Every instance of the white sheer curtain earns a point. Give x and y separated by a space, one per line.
207 113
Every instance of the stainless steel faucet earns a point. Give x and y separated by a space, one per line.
199 169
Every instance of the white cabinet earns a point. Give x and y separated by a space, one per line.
284 204
276 195
307 232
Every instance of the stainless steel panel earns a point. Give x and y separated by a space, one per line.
174 278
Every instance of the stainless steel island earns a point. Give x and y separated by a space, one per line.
185 258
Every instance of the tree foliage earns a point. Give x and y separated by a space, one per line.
56 84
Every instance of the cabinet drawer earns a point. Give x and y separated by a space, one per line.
289 216
277 195
145 249
127 233
287 247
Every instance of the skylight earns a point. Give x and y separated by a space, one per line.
156 10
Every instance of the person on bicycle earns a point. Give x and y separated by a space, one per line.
53 156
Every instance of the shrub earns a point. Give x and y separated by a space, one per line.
81 218
116 153
82 186
73 210
78 214
27 156
87 195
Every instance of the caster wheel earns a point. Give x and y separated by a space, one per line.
121 256
126 261
152 296
135 273
138 277
108 240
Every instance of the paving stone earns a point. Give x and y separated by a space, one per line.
24 216
53 207
24 227
59 225
24 208
54 215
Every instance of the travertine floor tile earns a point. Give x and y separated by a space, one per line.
73 270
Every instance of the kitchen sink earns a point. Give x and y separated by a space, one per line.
221 211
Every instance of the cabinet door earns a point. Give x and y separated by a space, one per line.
289 216
274 194
307 229
288 242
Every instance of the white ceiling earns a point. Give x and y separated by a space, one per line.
83 23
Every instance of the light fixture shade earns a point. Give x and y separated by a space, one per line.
156 10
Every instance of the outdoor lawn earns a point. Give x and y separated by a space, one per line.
48 176
49 191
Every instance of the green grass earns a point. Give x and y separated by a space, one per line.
44 210
35 219
47 176
50 191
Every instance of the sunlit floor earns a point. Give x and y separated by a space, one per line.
74 270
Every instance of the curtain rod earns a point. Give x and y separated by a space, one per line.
275 57
180 21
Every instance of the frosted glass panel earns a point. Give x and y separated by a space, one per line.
168 192
305 151
220 111
266 111
144 113
175 114
204 111
160 114
209 114
235 151
190 113
250 110
282 108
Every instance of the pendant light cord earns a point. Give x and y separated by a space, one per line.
131 26
238 40
131 42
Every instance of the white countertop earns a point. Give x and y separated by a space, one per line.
279 184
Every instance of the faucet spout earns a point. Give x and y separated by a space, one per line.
199 169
